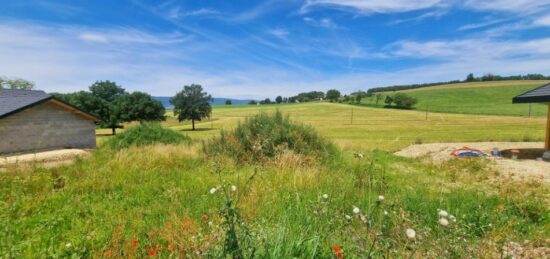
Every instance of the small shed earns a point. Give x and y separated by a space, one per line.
35 120
538 95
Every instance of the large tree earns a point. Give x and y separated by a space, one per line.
16 83
192 103
279 99
114 105
333 95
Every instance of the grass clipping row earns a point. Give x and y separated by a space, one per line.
266 137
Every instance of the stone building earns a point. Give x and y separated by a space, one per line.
33 120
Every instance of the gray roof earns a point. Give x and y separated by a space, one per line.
537 95
12 101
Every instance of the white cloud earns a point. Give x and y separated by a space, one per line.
514 6
543 21
279 33
323 22
373 6
93 37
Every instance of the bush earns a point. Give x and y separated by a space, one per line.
145 134
266 136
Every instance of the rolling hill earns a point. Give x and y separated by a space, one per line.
488 98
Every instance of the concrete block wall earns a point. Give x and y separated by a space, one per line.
45 126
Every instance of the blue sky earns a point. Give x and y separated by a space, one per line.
258 49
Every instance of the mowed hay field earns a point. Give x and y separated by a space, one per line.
487 98
375 128
178 201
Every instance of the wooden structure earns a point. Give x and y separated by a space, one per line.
538 95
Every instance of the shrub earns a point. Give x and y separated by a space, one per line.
145 134
265 136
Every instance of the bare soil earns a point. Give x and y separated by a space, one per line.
525 167
52 158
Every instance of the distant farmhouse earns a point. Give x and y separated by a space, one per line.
34 120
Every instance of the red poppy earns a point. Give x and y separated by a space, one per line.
204 218
107 254
170 248
159 248
338 251
135 242
152 253
231 140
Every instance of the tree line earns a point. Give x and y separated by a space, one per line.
469 78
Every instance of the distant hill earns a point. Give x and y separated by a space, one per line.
487 98
215 101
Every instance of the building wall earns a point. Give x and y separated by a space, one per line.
45 126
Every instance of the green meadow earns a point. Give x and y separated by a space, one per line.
353 200
486 98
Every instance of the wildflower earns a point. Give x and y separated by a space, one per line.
233 188
380 198
443 222
356 210
452 218
204 217
170 248
338 251
213 190
348 217
68 245
231 140
411 233
363 218
107 254
159 248
325 196
152 253
135 242
386 213
443 213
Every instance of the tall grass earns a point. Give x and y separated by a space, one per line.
145 134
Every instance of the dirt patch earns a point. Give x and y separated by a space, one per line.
519 169
48 159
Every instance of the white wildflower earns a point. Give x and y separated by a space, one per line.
356 210
213 190
411 233
363 218
325 196
443 222
233 188
443 213
348 217
452 218
68 245
386 213
380 198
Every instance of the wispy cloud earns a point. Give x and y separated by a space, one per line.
323 22
279 33
176 12
371 6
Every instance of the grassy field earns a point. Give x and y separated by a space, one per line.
158 200
373 128
488 98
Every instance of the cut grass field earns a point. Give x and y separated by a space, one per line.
157 200
374 128
486 98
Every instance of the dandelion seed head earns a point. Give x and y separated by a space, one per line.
410 233
452 218
443 213
233 188
348 217
356 210
443 222
325 196
380 198
213 190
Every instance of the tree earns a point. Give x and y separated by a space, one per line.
252 102
139 106
114 105
16 83
333 95
266 101
470 78
192 103
279 99
228 102
388 100
378 98
358 98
